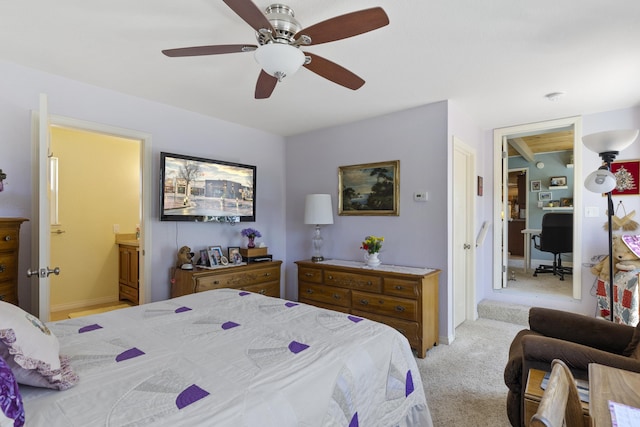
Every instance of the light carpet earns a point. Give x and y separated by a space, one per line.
463 381
97 310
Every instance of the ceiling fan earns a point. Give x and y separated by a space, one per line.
280 37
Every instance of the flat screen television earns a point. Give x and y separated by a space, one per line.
205 190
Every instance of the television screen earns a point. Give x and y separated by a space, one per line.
197 189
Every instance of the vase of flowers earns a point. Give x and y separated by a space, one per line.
251 234
372 245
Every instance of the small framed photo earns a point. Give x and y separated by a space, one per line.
233 255
535 185
567 202
204 258
544 196
554 203
558 181
215 255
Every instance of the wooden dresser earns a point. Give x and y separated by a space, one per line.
405 298
261 277
9 251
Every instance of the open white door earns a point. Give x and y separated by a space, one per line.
40 257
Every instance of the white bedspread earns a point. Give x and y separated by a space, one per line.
231 358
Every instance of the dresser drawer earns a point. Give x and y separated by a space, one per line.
8 238
411 330
313 275
401 287
356 281
400 308
237 279
270 289
304 300
327 294
8 265
129 293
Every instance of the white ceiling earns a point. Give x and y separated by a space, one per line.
495 59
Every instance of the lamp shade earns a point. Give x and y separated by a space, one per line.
611 140
279 59
600 181
318 209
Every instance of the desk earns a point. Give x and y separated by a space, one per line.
533 395
607 383
528 232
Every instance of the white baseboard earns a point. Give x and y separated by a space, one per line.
84 303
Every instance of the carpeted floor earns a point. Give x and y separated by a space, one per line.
463 381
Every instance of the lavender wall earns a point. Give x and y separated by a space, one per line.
172 130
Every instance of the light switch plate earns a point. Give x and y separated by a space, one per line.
420 196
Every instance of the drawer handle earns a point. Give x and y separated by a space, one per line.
216 282
2 268
336 296
399 288
330 277
262 291
309 291
364 302
369 283
308 274
400 308
267 274
7 238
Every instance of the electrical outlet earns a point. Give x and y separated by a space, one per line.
116 228
420 196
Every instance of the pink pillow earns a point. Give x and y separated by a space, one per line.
32 351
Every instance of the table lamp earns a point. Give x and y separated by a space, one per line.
318 211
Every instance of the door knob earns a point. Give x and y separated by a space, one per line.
466 246
43 272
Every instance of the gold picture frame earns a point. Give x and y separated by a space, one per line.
369 189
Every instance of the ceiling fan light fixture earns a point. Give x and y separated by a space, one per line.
279 60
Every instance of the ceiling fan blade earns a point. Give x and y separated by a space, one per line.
209 50
344 26
250 14
265 85
334 72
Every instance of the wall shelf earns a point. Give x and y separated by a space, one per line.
558 187
558 208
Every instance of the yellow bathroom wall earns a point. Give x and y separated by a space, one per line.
99 187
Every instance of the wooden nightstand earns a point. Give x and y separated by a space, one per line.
533 394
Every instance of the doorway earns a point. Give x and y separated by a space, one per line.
92 202
540 149
41 257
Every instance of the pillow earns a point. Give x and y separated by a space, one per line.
11 409
32 351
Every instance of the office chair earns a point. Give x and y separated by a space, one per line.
556 237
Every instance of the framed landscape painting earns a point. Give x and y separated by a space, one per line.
369 189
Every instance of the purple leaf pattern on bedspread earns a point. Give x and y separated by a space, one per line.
129 354
409 384
296 347
244 293
154 399
89 328
182 309
191 394
291 304
229 325
354 421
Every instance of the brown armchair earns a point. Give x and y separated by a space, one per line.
573 338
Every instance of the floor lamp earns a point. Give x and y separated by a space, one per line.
318 211
608 145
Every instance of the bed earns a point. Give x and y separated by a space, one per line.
231 358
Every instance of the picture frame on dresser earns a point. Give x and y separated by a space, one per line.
233 255
215 255
369 189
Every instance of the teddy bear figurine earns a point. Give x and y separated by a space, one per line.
184 258
625 258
